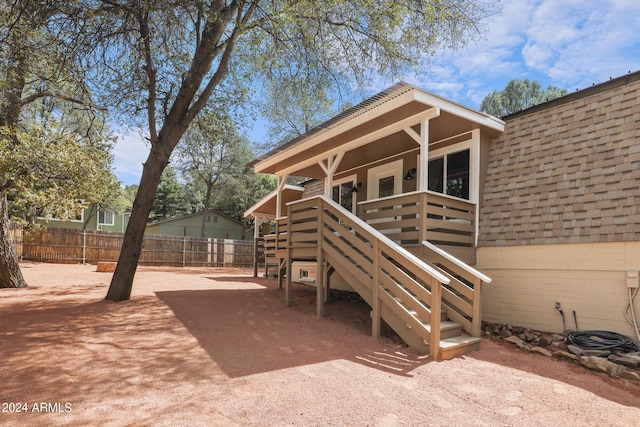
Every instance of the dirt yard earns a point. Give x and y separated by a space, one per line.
217 347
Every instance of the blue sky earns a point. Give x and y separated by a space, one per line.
570 44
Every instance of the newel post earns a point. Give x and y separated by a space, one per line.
476 321
436 310
320 276
289 261
375 309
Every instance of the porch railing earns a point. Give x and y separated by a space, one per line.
411 218
388 277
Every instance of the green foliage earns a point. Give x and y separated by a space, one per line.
52 172
518 95
171 199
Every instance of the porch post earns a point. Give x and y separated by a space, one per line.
329 166
256 243
282 180
423 183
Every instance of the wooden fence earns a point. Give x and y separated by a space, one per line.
15 232
69 246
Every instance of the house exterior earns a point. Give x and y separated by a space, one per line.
219 226
93 218
439 215
560 211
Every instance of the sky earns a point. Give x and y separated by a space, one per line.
570 44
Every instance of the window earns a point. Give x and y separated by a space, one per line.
106 217
342 193
78 217
450 174
308 274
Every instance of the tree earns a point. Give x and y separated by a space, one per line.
241 191
518 95
170 57
210 150
297 99
171 198
38 61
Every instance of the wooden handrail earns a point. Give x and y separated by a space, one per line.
457 262
388 243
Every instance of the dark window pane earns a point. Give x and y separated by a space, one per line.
346 195
458 174
436 174
386 186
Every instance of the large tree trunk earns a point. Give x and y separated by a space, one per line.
205 216
122 280
10 274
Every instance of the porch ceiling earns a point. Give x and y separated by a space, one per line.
266 207
372 133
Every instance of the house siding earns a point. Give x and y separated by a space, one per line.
588 278
567 174
219 226
559 219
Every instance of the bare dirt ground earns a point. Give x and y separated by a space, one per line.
217 347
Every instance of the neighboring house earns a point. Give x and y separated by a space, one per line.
219 226
93 218
420 202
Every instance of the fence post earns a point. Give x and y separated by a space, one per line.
184 251
84 246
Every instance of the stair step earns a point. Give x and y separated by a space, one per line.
448 329
456 346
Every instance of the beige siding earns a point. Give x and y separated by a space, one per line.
589 278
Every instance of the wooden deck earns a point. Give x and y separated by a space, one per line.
410 291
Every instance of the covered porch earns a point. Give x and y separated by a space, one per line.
405 169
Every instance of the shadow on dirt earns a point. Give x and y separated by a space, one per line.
248 331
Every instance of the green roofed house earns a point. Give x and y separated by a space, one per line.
441 216
219 226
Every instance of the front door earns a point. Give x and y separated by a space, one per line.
384 180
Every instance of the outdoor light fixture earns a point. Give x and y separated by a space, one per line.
410 174
355 187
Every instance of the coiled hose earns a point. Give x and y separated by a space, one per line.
601 340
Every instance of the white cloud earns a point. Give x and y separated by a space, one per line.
566 43
129 153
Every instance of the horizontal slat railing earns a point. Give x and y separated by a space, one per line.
408 286
412 217
462 295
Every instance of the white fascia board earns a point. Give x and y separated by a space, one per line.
380 133
259 203
341 128
460 110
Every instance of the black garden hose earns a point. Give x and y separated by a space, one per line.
601 340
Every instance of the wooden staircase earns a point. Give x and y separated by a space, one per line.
434 310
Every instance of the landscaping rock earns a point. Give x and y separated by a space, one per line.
628 361
545 340
600 364
565 355
506 333
517 341
629 375
541 351
575 349
597 353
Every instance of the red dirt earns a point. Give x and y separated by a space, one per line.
218 347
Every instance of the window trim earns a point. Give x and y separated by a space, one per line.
353 178
113 217
473 145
